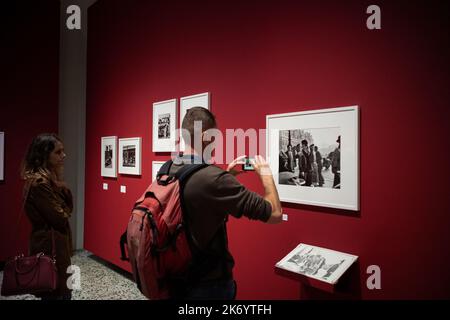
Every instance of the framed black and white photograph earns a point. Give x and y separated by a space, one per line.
314 156
2 156
164 126
109 157
197 100
315 262
130 156
156 165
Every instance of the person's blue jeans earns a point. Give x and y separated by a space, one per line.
225 290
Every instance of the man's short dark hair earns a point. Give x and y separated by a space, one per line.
304 142
207 119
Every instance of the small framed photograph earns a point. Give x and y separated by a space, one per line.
314 156
197 100
109 157
130 156
318 263
164 126
2 156
156 165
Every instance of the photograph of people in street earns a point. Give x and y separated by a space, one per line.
108 156
310 157
164 126
129 156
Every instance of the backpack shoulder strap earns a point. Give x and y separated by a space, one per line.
182 175
165 169
187 170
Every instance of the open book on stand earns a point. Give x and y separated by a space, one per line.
317 263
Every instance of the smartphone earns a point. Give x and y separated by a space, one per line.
247 165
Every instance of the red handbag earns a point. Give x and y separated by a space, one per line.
30 275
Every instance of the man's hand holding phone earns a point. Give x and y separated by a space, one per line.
231 167
262 168
257 164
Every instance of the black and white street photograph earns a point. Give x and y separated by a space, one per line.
129 156
310 157
164 126
306 156
108 156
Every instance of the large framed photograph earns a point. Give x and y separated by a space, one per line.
130 156
314 156
109 157
2 156
156 165
197 100
164 125
318 263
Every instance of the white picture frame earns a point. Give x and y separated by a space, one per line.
196 100
318 263
109 157
164 126
2 156
156 165
130 156
325 126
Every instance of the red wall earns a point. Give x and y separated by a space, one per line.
28 102
258 58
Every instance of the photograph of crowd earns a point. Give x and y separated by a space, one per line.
310 158
129 156
108 156
164 126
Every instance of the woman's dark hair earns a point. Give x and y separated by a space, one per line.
38 152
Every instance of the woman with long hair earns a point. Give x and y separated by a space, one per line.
48 204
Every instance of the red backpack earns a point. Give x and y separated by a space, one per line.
158 247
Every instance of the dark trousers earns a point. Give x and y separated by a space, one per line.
319 173
308 178
337 180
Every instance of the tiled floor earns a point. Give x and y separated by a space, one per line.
98 282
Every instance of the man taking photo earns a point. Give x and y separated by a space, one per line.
209 196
